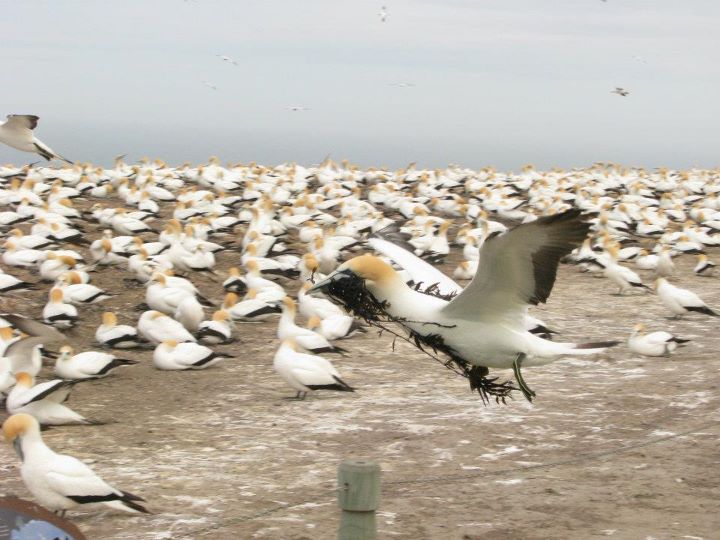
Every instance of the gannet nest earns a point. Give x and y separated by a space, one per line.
353 295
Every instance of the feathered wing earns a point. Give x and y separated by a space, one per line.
419 270
33 328
518 268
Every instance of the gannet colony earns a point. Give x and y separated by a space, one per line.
291 281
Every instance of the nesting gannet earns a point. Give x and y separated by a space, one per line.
87 365
17 132
44 401
218 330
171 355
57 313
114 335
337 327
485 324
704 267
11 283
157 327
306 372
60 482
251 308
653 344
680 301
304 337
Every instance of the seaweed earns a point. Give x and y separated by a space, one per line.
350 292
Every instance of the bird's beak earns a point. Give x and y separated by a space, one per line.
332 278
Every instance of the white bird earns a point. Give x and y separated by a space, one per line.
87 365
306 372
171 355
653 344
17 132
485 324
304 337
382 14
157 327
226 59
218 330
44 401
114 335
251 308
58 313
704 267
620 91
60 482
337 327
680 301
297 108
210 85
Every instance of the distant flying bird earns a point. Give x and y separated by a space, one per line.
383 14
210 85
17 132
226 59
620 91
297 108
640 59
403 84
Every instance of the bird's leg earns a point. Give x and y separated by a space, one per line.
304 395
527 392
297 396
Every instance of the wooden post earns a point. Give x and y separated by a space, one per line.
358 497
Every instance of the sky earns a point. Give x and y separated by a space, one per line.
494 82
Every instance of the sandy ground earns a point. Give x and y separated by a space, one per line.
631 442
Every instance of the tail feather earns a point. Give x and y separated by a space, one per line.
703 309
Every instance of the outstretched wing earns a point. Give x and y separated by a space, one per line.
518 268
27 121
419 270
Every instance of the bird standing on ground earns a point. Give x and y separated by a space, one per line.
306 372
60 482
17 132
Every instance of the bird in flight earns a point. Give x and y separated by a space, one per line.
640 59
619 91
383 14
210 85
17 132
226 59
403 84
297 108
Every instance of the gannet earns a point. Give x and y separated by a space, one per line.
171 355
44 401
57 312
218 330
17 132
619 91
57 481
87 364
306 372
157 327
304 337
114 335
485 324
653 344
680 301
704 267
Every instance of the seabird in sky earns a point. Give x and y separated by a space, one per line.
382 14
210 85
17 132
226 59
297 108
620 91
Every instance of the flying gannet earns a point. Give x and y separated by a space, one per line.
483 326
17 132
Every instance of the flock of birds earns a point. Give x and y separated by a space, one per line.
325 242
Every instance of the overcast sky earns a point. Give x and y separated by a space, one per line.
496 82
